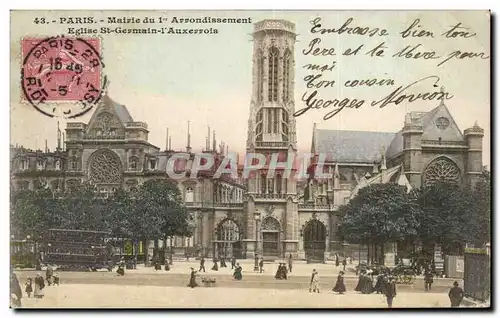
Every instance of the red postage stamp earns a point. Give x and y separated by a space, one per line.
62 69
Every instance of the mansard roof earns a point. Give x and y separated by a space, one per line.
121 110
351 146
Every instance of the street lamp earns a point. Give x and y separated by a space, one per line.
257 218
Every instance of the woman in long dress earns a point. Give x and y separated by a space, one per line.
39 287
367 287
361 280
339 286
192 279
237 272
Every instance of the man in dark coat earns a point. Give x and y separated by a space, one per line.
344 263
290 263
428 280
390 290
233 262
202 264
48 274
456 295
261 265
15 289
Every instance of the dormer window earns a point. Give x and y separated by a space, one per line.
39 165
133 164
24 164
189 194
73 164
152 164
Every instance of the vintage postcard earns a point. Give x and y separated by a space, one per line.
250 159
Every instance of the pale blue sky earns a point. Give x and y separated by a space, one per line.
166 80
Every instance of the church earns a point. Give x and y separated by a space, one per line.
269 217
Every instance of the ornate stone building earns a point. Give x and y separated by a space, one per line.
270 215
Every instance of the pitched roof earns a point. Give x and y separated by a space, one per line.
351 146
121 110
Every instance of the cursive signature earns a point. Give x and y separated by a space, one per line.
398 96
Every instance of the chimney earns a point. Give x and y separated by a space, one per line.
166 142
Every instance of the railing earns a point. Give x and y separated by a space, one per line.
271 144
214 204
444 143
316 207
76 125
137 124
104 137
270 196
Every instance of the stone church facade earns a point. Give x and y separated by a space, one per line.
270 216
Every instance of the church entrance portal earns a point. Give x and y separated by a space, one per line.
271 237
315 240
228 242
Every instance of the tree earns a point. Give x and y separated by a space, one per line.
29 214
482 197
158 212
379 214
449 216
82 208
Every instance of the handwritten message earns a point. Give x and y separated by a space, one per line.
321 78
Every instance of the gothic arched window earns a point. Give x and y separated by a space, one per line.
441 170
105 168
260 75
228 231
286 75
73 163
273 75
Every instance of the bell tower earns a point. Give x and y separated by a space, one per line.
271 205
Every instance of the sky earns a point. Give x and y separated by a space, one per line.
168 80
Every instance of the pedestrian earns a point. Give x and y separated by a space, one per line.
233 262
359 286
215 267
290 263
336 260
192 279
390 290
379 285
314 284
29 287
261 265
367 283
48 274
344 263
39 286
237 272
56 279
223 262
202 264
428 280
15 290
456 295
339 286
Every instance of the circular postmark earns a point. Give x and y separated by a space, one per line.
61 75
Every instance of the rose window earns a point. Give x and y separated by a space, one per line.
105 167
442 170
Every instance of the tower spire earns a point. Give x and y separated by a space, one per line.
166 141
214 143
188 147
58 137
208 139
